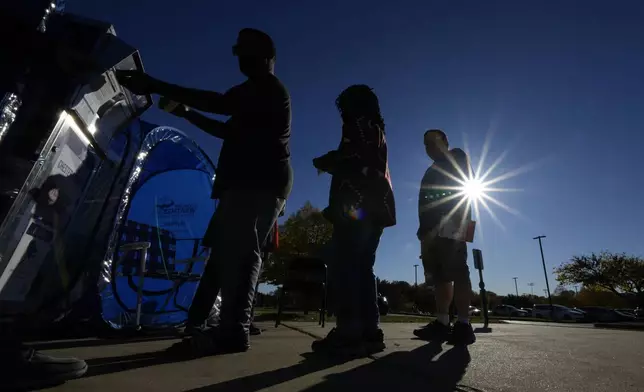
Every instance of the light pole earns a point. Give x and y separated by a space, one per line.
545 273
516 288
531 288
415 274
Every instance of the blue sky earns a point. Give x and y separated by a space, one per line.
559 84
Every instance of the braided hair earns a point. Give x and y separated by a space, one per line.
357 101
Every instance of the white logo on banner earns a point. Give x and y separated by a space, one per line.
175 217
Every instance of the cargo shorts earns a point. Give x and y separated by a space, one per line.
444 260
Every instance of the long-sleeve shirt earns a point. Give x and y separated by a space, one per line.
438 190
361 185
255 154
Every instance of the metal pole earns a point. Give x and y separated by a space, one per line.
531 288
516 288
545 273
415 274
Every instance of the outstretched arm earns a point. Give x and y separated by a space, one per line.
357 152
207 101
209 125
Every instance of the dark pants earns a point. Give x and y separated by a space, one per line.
236 234
352 283
204 300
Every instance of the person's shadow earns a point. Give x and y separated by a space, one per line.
405 370
398 371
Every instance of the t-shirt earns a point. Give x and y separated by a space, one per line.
255 153
436 197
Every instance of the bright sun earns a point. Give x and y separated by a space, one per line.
474 189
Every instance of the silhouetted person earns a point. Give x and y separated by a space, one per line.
445 259
361 205
254 178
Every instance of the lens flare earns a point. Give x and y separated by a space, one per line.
473 189
476 188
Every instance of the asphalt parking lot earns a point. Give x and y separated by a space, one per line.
512 357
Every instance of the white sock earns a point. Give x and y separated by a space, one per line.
443 318
464 319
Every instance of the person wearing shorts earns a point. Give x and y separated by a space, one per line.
444 259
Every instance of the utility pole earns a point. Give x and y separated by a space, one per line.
415 274
516 288
545 273
531 288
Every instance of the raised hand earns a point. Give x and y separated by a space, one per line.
137 82
173 107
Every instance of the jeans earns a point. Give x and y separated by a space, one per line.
236 234
352 283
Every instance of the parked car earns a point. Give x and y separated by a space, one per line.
630 312
474 311
603 314
509 311
561 312
639 313
383 305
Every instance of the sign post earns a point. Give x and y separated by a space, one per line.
478 264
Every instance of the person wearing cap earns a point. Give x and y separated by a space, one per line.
361 206
445 259
254 178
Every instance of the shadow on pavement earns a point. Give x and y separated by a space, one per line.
256 382
403 370
63 344
101 366
398 371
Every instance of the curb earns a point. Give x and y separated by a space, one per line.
629 327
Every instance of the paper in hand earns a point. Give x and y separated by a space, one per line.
456 230
168 106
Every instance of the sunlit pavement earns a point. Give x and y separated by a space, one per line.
549 324
510 358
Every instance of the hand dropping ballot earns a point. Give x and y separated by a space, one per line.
458 230
168 106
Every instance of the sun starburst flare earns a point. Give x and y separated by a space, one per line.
478 186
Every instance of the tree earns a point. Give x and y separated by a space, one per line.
600 297
303 234
618 273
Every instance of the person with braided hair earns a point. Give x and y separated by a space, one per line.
361 205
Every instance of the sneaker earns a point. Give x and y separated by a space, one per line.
433 332
253 330
374 342
338 343
462 334
206 342
30 369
